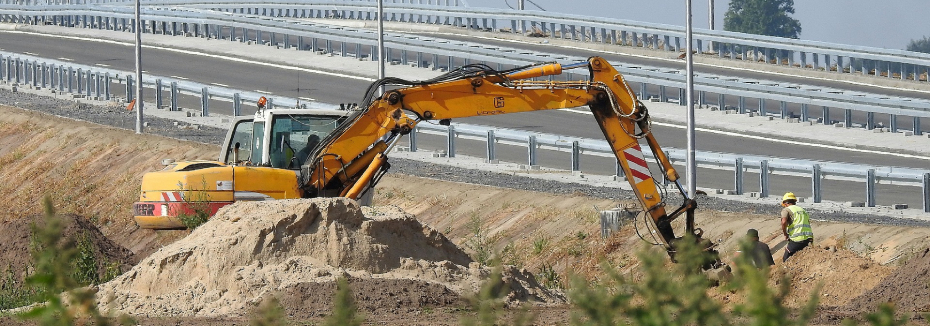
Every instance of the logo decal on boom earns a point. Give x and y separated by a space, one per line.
498 102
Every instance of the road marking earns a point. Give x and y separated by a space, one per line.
65 59
101 64
221 85
263 92
178 77
29 53
307 99
201 54
776 140
698 63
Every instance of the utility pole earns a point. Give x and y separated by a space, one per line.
381 44
710 14
138 28
690 176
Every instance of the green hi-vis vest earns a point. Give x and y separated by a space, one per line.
800 228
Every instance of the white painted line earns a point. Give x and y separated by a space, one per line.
201 54
218 84
263 92
307 99
178 77
776 140
29 53
65 59
101 64
696 63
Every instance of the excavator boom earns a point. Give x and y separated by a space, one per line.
622 118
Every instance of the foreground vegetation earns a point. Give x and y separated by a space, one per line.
663 295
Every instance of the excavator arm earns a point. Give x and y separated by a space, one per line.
353 156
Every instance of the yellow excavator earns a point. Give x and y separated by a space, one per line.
290 153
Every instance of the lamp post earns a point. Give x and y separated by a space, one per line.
690 174
138 29
381 44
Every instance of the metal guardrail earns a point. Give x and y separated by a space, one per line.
858 59
738 163
348 41
94 82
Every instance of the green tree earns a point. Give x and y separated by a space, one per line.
921 45
762 17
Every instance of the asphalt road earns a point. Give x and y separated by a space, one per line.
330 89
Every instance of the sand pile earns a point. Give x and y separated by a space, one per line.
843 274
908 288
16 257
298 248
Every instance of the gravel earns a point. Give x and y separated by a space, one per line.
117 116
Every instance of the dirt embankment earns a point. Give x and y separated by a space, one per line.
87 169
251 250
16 256
564 231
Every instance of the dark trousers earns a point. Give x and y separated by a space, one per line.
794 247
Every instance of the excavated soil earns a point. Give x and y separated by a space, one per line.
17 239
298 249
841 274
908 288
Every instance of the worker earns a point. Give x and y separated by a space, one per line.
304 153
795 225
761 254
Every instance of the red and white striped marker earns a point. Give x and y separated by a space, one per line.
639 171
171 196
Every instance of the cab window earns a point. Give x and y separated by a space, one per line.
296 137
242 134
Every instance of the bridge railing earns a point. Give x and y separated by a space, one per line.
441 54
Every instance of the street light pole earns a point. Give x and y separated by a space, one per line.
381 44
138 28
690 175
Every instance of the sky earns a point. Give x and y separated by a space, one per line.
887 24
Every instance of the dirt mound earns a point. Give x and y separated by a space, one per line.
297 247
908 288
15 252
843 274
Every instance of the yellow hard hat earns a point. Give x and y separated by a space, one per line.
789 196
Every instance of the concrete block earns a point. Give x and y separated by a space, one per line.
908 133
77 95
793 120
395 62
840 125
753 194
13 89
878 130
619 178
899 206
855 204
729 192
714 108
494 161
887 129
402 148
751 114
654 99
718 191
534 167
770 118
439 154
